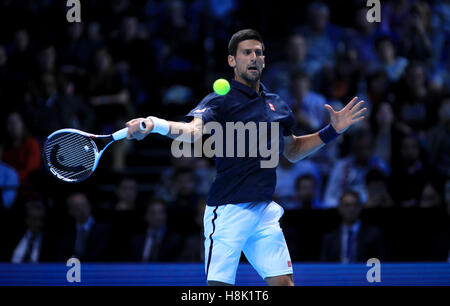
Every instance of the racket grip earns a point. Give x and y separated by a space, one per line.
120 134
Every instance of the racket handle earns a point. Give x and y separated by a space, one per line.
120 134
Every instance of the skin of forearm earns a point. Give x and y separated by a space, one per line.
300 147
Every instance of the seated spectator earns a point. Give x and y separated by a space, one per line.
408 172
387 59
306 192
21 150
307 105
158 243
377 190
430 196
350 172
194 249
383 127
87 240
34 245
277 76
354 241
287 173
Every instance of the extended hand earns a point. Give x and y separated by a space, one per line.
134 128
347 116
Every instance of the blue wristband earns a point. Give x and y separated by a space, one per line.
328 134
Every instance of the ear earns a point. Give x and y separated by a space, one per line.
264 61
231 61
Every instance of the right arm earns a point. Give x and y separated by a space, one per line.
184 131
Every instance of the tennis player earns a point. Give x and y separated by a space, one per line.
240 214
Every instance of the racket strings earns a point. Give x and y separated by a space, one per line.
70 155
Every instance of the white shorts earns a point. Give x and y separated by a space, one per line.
250 227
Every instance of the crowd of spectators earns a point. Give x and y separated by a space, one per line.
159 57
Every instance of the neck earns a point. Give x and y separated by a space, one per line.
254 85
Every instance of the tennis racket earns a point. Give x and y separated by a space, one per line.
72 155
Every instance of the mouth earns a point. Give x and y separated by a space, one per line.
252 68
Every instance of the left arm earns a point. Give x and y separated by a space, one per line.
299 147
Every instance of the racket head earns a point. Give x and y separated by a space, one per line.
70 155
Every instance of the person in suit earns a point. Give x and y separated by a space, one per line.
158 242
87 240
34 244
353 241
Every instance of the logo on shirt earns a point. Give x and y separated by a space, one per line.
289 264
271 106
200 110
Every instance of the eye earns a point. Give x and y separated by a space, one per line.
247 52
258 52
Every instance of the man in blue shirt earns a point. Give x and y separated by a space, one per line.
240 214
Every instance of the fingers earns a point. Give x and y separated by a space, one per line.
351 103
358 119
357 114
329 108
357 106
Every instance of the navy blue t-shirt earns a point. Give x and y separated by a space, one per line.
242 179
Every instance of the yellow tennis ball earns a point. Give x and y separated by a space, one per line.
221 87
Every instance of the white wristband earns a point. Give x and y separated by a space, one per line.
160 126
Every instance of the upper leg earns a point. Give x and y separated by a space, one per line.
280 280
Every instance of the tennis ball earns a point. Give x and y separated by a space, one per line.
221 87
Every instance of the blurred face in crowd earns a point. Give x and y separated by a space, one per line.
305 189
75 30
185 183
79 207
385 115
34 218
409 150
129 28
349 208
386 51
21 40
14 125
156 215
319 18
415 76
430 197
46 59
248 62
103 61
297 48
300 86
362 149
127 190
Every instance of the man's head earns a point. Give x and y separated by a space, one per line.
156 214
296 48
349 207
79 207
127 190
385 49
246 56
300 84
305 189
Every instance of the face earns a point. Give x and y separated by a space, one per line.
305 189
14 125
127 190
156 215
410 149
79 207
35 219
297 48
349 209
430 197
248 62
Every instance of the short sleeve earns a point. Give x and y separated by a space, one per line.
208 109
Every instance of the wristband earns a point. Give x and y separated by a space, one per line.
160 126
328 134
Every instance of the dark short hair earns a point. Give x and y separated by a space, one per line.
304 177
242 35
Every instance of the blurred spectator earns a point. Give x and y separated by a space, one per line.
278 75
388 60
158 243
354 241
35 245
9 183
21 150
383 127
438 141
415 106
408 172
377 190
126 194
194 248
430 196
307 105
350 172
307 196
88 240
321 36
287 173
